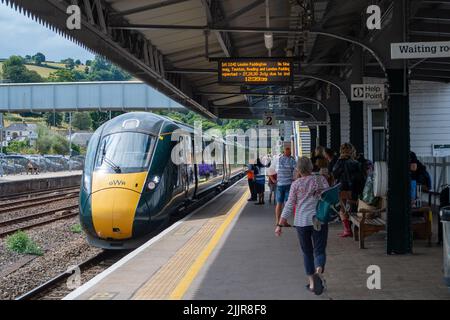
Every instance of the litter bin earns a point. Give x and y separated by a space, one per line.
445 219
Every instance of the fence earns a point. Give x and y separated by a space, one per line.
21 164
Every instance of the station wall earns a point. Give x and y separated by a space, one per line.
429 116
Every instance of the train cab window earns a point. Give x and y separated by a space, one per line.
125 152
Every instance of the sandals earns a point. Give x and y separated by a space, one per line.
318 284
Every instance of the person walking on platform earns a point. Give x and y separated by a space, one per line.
318 159
304 195
251 173
272 182
285 174
348 173
260 181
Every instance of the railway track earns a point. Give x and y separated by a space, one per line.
37 193
57 288
28 203
10 226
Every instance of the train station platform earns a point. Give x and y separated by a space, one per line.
227 250
13 185
44 175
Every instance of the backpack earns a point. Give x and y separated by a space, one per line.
326 206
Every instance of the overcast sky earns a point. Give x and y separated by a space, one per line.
20 35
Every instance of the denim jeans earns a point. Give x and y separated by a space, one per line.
313 244
282 193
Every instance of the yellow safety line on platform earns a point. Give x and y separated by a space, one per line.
161 284
198 264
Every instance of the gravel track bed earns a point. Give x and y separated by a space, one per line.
62 248
43 207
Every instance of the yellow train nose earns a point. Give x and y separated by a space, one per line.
113 212
114 202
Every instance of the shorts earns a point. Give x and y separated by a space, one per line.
282 193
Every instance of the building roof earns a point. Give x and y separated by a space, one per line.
81 137
21 127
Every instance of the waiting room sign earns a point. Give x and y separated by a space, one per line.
420 50
367 92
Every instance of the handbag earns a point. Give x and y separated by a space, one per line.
326 206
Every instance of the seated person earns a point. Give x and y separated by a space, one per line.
419 172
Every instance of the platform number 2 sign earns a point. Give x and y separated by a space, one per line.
269 119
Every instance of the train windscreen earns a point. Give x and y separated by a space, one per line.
125 152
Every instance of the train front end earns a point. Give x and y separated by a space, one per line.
113 209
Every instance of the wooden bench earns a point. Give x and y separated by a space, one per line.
362 226
421 224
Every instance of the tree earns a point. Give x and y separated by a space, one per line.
61 75
64 75
53 118
60 145
77 62
17 146
100 117
69 63
103 70
82 120
14 70
38 58
88 63
44 144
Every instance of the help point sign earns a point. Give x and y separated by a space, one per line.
367 92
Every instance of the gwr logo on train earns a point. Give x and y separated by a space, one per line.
117 183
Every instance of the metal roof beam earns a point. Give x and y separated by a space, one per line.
240 12
147 7
213 14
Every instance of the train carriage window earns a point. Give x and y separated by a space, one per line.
125 152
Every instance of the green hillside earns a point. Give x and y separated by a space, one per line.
44 71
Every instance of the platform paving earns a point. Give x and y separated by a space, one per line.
254 264
43 175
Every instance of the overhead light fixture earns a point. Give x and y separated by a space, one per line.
268 40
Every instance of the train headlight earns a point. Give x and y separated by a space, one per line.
153 183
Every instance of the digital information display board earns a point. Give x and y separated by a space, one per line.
255 71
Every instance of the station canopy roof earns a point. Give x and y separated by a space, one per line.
172 45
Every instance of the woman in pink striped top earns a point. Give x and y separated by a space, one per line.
304 195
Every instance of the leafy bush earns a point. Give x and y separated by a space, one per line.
44 144
60 145
20 242
82 120
76 228
17 146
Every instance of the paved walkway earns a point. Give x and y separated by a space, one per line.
254 264
228 251
23 177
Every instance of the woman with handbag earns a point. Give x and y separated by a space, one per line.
348 173
304 195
